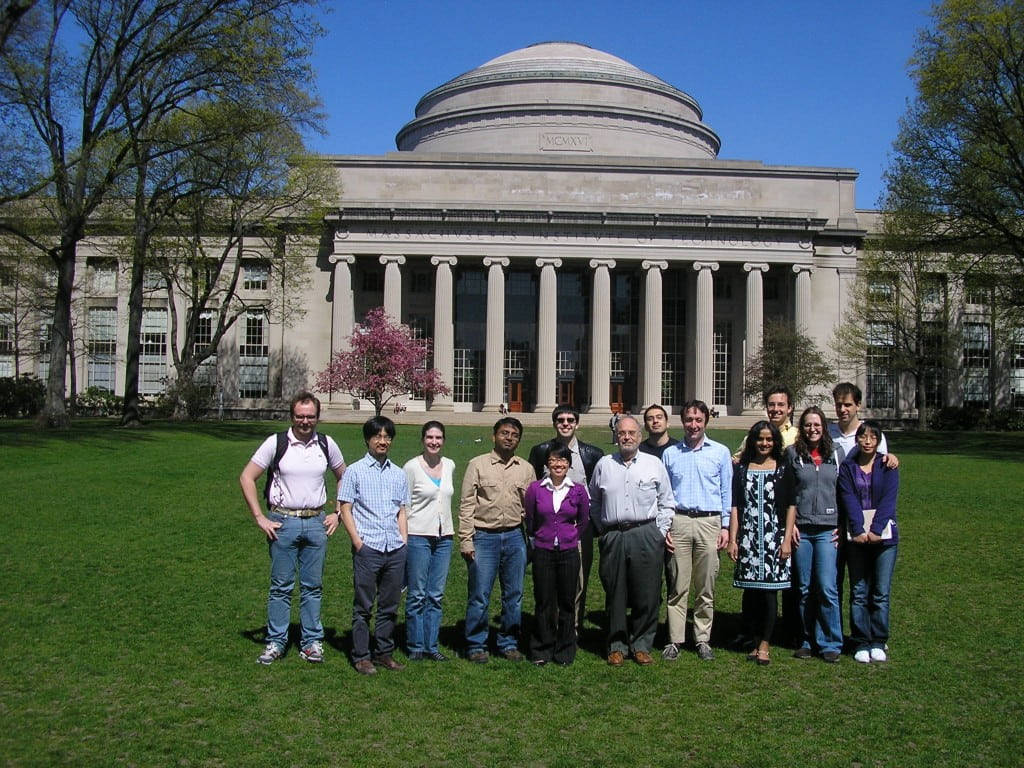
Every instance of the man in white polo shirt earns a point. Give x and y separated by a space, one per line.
295 524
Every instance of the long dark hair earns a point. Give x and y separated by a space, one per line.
750 446
824 447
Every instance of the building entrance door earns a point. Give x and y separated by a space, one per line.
567 393
615 397
515 395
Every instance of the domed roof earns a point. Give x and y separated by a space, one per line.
559 97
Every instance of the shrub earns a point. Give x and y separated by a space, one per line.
98 402
22 396
970 417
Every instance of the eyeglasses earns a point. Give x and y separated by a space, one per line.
304 418
566 420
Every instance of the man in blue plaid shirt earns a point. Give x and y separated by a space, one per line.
372 501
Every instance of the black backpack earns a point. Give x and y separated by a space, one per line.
282 446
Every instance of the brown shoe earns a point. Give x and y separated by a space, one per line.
615 658
365 667
643 658
387 662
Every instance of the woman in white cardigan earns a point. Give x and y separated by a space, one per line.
431 487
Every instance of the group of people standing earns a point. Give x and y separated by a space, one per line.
657 507
808 501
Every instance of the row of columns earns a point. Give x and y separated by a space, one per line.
547 320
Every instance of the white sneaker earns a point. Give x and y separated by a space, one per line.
863 656
877 654
270 654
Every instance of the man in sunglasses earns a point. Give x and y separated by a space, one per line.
566 419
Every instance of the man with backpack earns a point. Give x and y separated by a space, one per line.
295 524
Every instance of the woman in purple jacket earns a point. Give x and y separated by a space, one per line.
557 512
867 493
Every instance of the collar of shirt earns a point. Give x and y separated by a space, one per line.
699 446
618 457
293 440
368 458
496 459
566 483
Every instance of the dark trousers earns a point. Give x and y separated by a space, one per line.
760 606
376 576
556 575
631 566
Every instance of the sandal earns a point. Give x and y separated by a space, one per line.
764 659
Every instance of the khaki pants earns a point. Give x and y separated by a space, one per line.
695 559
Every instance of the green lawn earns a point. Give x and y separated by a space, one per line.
134 601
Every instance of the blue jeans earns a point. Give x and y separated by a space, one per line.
426 573
301 543
502 555
815 567
871 567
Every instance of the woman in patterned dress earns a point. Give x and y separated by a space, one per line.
762 492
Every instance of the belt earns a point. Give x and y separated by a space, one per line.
296 512
626 526
696 512
506 529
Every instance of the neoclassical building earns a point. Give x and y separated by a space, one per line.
558 222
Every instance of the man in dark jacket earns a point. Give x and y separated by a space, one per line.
566 419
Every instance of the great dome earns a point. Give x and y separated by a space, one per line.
559 98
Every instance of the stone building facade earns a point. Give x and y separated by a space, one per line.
558 222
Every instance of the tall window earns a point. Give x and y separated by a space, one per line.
933 342
466 379
45 338
881 381
1017 368
720 390
6 342
206 373
253 363
153 357
102 361
977 361
256 275
673 341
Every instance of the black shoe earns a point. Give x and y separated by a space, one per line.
830 657
435 656
803 653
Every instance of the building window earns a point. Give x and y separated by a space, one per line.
153 355
1017 368
373 282
6 343
466 379
977 360
567 364
977 291
720 390
104 276
933 343
206 372
516 362
253 356
102 360
45 338
256 275
672 378
770 285
421 281
881 381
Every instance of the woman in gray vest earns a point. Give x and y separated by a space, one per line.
812 528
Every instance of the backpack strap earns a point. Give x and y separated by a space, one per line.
282 446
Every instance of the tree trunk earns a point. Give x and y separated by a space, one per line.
55 413
131 414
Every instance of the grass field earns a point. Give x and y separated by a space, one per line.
134 598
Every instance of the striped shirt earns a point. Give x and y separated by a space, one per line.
376 492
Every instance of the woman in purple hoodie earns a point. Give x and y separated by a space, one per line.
867 493
557 512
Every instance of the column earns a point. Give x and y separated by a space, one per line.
651 370
393 286
802 300
444 329
601 337
494 356
755 319
704 336
343 318
547 334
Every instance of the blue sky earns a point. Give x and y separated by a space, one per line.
789 83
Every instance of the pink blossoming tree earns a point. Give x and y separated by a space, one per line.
384 361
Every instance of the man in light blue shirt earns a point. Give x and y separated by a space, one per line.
700 471
372 502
